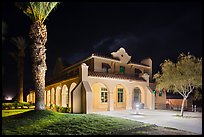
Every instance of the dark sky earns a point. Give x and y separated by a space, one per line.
75 30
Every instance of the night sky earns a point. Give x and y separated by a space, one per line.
75 30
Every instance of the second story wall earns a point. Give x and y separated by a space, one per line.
99 63
90 63
116 67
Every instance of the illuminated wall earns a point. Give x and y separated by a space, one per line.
86 93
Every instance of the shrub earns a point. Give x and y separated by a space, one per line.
3 106
51 106
7 105
57 108
10 105
62 109
20 105
66 110
27 104
15 104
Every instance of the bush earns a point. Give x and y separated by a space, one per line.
20 104
51 106
62 109
66 109
3 106
27 104
57 108
7 105
15 104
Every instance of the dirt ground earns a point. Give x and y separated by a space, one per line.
155 130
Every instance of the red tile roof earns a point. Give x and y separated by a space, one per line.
116 76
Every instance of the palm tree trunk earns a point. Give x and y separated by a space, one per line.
38 35
20 78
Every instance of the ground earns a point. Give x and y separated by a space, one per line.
48 122
156 130
190 122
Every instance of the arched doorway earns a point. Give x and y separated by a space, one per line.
72 86
136 97
48 98
52 96
58 96
100 97
64 96
119 97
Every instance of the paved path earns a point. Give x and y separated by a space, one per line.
192 121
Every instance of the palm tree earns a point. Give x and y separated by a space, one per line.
4 30
38 12
58 67
20 43
3 37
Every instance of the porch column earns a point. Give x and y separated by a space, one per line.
54 98
145 92
111 101
153 102
60 96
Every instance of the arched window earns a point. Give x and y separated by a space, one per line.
122 70
52 96
137 95
48 98
64 96
58 96
120 94
104 95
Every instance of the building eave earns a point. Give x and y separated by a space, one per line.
138 65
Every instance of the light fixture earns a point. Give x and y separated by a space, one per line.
8 98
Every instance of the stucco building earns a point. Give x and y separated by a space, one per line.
100 83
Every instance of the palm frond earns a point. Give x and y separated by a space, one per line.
14 55
26 8
50 6
37 10
19 42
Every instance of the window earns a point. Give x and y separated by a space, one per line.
122 70
105 70
105 67
137 72
104 95
160 93
154 92
120 95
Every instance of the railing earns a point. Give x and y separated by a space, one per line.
112 75
175 107
160 106
169 105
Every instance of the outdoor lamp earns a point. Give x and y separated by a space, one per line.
137 108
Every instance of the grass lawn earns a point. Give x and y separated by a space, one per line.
32 122
10 112
46 122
